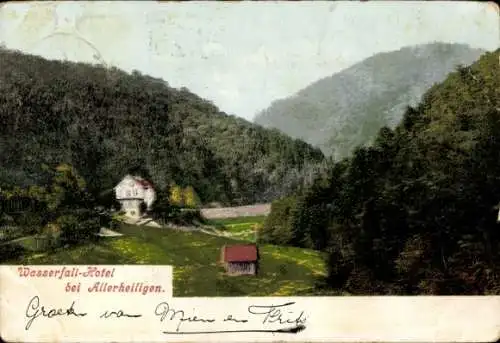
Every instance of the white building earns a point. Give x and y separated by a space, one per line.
131 192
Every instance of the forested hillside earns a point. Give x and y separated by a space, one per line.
416 212
106 122
345 110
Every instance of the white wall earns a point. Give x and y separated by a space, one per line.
128 188
149 197
131 207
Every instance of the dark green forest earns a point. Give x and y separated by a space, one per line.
416 212
105 123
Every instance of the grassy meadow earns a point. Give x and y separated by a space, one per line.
241 228
284 271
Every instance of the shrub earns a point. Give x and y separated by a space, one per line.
52 234
11 252
116 220
30 222
78 227
188 217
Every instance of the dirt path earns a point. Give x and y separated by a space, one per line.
104 232
237 211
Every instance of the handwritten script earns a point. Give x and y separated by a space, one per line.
281 318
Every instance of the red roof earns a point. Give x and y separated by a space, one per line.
240 253
143 183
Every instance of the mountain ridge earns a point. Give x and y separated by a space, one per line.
107 122
345 110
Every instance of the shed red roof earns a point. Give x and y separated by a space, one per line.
240 253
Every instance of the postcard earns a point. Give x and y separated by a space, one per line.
249 171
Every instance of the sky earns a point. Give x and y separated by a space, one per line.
242 56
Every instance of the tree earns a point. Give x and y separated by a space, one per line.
191 199
176 195
68 189
71 206
162 210
414 213
278 227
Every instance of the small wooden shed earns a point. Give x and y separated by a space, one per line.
240 259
